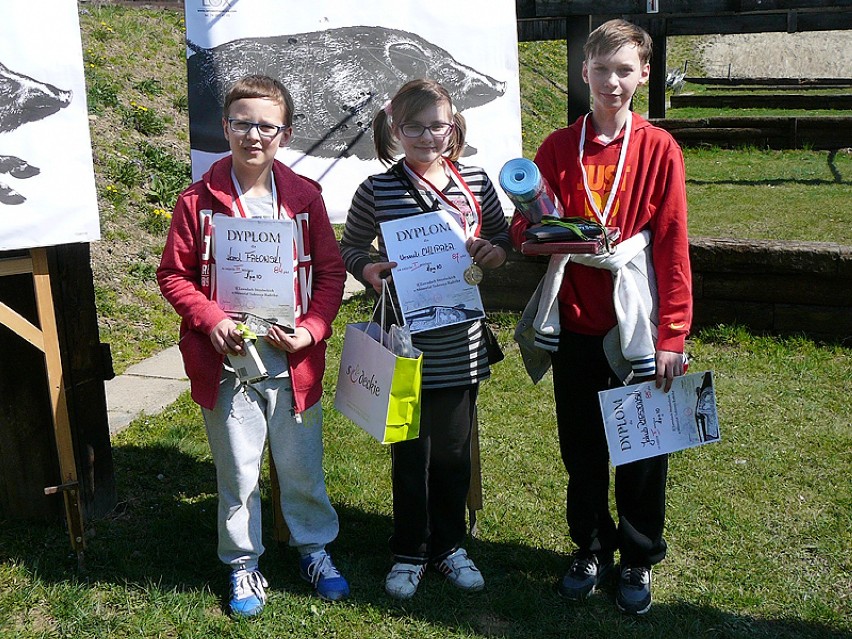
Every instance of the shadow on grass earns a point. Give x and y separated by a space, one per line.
163 534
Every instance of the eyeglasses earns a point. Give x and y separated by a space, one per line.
263 130
437 129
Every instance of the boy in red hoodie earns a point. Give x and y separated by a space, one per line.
614 167
285 407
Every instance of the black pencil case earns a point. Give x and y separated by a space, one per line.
564 230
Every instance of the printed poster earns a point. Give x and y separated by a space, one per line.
431 258
643 421
254 268
47 179
342 61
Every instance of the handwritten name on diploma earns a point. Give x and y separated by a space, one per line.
432 249
641 423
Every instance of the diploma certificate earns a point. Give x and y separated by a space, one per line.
431 258
254 267
642 421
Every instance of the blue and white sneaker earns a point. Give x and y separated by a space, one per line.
318 569
247 592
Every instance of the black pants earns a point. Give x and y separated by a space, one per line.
580 370
431 478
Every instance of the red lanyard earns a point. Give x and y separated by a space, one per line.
470 227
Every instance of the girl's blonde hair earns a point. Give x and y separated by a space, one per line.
411 99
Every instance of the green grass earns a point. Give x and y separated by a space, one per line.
758 524
706 112
134 73
772 195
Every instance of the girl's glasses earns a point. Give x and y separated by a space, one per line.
263 130
437 129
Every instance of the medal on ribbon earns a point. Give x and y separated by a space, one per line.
461 208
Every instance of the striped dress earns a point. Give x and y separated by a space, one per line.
452 355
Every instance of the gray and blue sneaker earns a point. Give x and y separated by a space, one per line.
318 569
247 592
586 573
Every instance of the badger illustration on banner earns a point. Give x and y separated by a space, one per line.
338 79
23 99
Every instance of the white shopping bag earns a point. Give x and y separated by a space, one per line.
377 389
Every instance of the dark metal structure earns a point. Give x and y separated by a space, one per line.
572 20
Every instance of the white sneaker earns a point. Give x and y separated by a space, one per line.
461 571
403 579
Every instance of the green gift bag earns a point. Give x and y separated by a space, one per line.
377 388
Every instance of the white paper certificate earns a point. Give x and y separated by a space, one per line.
254 267
429 277
642 421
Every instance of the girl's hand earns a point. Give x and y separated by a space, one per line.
375 272
485 253
226 339
289 342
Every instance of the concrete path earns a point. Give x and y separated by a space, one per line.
148 387
145 388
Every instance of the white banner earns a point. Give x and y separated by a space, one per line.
47 180
342 61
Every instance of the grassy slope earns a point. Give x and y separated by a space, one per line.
136 79
759 524
136 84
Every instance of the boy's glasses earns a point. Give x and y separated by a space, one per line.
437 129
263 130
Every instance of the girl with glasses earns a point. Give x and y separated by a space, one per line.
431 475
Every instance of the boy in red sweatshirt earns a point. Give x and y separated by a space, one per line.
285 407
614 167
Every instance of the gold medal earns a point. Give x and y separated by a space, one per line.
473 275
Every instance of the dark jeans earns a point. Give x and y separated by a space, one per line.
580 370
431 478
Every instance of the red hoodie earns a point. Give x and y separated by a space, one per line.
320 276
652 196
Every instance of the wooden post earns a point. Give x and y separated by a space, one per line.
578 29
474 493
657 81
46 339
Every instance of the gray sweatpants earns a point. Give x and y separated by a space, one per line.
237 430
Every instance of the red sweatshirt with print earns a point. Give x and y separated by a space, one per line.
652 196
186 270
